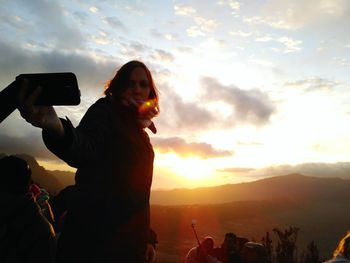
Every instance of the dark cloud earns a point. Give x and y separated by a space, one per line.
31 144
91 74
81 16
185 149
114 22
181 115
186 49
164 55
11 21
249 106
47 20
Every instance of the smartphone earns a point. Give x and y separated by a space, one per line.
60 88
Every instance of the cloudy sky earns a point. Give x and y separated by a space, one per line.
249 89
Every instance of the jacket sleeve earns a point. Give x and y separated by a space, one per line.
85 142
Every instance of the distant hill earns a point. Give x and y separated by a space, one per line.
324 222
65 177
292 187
318 206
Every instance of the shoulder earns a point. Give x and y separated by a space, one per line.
102 104
98 111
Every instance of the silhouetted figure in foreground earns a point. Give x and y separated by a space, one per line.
108 219
203 253
228 252
59 204
25 234
342 252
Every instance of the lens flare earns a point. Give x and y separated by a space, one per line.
148 105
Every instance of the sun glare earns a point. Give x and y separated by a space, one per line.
190 168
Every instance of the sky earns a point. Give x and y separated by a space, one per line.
248 89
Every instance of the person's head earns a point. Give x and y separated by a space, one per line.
230 241
253 252
343 247
132 79
16 175
207 244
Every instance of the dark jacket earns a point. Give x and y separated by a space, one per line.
108 214
25 234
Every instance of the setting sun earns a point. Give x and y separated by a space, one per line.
191 168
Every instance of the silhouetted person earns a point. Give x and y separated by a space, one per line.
342 253
108 220
203 253
228 251
253 252
25 234
59 204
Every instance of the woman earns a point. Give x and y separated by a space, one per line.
108 216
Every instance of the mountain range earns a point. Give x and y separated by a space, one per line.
291 187
320 207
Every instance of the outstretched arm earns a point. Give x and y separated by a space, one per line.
44 117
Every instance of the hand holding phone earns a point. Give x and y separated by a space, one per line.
59 88
41 116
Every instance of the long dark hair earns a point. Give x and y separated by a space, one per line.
116 86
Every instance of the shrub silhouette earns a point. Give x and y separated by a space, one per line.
285 250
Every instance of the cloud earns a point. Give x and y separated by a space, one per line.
287 14
241 33
181 115
202 25
81 16
114 22
162 55
94 9
289 45
183 10
249 106
236 170
186 149
91 73
30 144
314 84
50 23
13 21
341 61
233 5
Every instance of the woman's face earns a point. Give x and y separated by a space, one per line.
139 87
